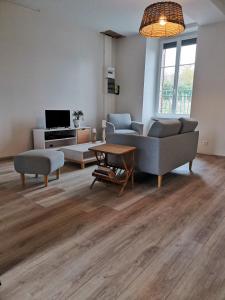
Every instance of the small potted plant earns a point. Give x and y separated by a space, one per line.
77 116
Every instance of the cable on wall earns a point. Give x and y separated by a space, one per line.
23 5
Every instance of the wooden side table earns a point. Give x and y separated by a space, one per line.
108 172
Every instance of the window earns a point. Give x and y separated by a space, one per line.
176 75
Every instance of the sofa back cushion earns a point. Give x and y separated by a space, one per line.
120 121
188 125
164 128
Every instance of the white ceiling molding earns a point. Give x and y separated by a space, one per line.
219 4
22 5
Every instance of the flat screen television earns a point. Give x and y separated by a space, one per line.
57 118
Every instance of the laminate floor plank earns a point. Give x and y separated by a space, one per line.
69 242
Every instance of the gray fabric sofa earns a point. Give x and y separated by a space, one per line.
169 145
122 124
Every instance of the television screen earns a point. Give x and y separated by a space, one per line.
57 118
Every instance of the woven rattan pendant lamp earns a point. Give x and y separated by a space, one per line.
162 19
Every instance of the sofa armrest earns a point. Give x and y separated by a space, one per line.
110 128
138 126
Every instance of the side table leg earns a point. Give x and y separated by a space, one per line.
93 183
132 175
122 189
132 179
128 174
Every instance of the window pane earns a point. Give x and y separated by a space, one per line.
188 42
184 90
166 90
169 57
170 45
188 54
177 76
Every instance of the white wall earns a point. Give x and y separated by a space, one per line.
150 82
208 105
130 66
137 66
45 64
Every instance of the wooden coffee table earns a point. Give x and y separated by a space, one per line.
114 173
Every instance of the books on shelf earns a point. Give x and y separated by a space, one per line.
104 171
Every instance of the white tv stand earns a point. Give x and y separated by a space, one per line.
60 137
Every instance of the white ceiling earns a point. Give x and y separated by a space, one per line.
123 16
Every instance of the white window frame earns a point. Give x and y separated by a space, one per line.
178 40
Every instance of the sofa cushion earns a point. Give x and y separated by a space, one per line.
188 125
120 121
126 131
164 128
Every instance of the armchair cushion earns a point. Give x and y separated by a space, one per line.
164 128
120 121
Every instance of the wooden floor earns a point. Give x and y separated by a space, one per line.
67 242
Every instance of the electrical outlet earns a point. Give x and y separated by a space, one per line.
204 142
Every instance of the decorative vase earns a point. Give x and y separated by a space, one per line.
94 135
103 134
76 123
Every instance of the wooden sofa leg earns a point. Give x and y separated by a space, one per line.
160 179
22 179
57 173
46 180
190 165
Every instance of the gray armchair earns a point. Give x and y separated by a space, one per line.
122 124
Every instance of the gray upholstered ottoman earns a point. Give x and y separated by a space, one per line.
37 162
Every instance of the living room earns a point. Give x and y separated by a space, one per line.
158 232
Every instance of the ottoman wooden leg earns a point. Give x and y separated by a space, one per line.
22 179
57 173
46 180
